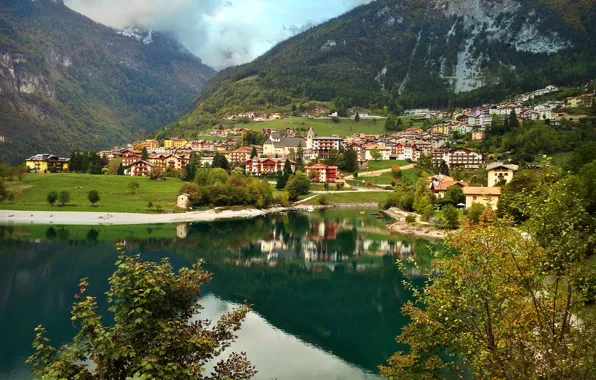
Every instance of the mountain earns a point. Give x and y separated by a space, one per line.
407 53
69 83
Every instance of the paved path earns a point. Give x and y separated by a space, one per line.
377 173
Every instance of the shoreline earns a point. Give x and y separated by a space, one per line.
91 218
418 229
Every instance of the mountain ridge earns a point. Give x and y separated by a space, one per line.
69 83
407 53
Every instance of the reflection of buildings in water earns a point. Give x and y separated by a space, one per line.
320 230
404 250
182 231
272 244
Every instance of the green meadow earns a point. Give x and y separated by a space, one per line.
115 195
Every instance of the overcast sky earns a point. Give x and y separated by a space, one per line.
221 32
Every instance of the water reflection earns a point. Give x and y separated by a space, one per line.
324 285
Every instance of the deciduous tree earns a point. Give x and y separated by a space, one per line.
93 197
64 197
52 197
155 334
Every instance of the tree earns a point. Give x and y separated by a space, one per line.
357 117
349 162
93 197
253 152
281 180
3 191
443 168
191 167
114 166
425 162
455 194
449 217
5 171
395 171
376 154
133 186
20 171
474 212
52 197
220 161
332 157
423 197
505 304
155 334
298 184
300 157
144 154
150 205
64 197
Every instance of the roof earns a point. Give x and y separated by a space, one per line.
47 157
318 165
443 186
287 142
482 190
502 165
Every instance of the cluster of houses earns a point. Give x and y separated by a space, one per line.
475 120
498 174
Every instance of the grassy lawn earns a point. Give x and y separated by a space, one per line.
363 197
115 196
322 127
385 164
409 175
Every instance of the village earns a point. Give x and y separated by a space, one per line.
439 143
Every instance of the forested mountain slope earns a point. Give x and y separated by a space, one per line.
407 53
68 83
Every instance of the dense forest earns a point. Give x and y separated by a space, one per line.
409 53
68 83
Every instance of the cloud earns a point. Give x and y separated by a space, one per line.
222 32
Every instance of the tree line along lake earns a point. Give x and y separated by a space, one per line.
325 288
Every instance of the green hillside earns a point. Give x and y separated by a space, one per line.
68 83
407 53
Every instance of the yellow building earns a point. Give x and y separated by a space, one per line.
574 102
151 144
482 195
42 163
174 142
498 172
443 129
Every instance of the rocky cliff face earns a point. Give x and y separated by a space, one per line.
68 83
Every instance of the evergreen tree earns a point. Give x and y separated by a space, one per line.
253 152
121 169
357 117
144 154
443 168
220 161
191 168
281 180
300 157
288 168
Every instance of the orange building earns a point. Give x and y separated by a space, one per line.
318 172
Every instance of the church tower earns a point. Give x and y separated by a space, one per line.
309 137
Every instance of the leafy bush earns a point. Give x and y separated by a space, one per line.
410 218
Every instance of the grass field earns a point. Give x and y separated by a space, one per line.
385 164
115 196
323 127
363 197
409 175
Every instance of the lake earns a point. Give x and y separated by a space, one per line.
324 285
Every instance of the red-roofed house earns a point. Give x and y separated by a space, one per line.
318 172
